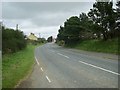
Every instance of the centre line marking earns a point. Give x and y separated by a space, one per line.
41 69
100 68
48 79
63 55
36 60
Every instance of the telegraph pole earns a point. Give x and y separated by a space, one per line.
16 26
39 35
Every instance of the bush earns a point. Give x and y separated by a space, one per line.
61 43
12 40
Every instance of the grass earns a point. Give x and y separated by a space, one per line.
109 46
16 66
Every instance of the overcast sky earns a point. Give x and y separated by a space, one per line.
41 17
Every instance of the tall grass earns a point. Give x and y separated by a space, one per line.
16 66
109 46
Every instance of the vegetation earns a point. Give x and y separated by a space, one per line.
0 36
50 39
32 39
36 42
109 46
96 28
18 56
42 40
13 40
16 66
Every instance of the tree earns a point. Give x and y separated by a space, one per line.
103 16
72 29
118 19
60 35
85 24
118 10
0 36
50 39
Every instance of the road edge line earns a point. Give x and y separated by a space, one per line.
99 68
48 79
37 61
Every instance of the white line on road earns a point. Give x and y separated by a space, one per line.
48 79
99 68
63 55
41 69
36 60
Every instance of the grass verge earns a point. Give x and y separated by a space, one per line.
16 66
109 46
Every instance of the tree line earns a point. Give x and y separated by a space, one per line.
101 22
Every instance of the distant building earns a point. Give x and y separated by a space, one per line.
32 37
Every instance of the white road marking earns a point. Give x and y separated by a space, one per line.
36 60
41 69
48 79
100 68
63 55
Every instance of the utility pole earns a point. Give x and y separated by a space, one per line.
39 35
16 26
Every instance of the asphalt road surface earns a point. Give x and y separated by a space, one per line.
58 67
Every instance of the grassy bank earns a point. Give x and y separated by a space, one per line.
16 66
109 46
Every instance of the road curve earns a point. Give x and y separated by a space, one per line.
58 67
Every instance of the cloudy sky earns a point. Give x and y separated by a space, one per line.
41 17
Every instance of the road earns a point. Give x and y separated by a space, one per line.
58 67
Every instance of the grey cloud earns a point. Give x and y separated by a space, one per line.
18 10
50 19
33 15
43 13
11 11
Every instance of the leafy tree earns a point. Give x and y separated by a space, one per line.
103 16
118 19
60 35
0 36
118 10
72 29
50 39
85 24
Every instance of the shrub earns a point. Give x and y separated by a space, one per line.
12 40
